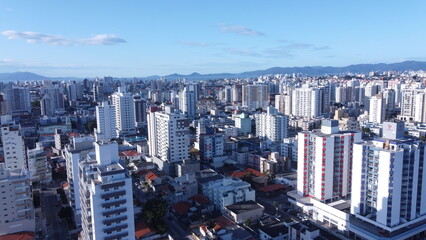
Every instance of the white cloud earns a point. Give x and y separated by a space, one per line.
242 52
193 44
239 29
57 40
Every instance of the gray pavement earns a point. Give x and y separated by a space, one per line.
176 229
53 228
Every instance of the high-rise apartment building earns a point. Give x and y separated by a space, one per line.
377 111
255 96
74 91
413 105
243 123
237 93
106 122
106 196
140 111
78 150
187 101
210 144
18 99
271 125
17 211
124 111
168 138
389 183
40 170
13 144
283 103
52 100
306 102
325 162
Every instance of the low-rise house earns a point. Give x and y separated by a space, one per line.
228 191
183 188
242 211
274 231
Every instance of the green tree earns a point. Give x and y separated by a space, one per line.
247 222
35 104
153 213
90 126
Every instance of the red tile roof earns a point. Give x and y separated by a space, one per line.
222 222
141 229
239 174
131 153
142 172
181 208
255 172
200 199
151 176
18 236
273 187
73 134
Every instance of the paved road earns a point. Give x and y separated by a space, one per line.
54 228
176 229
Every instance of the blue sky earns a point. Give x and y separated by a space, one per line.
142 38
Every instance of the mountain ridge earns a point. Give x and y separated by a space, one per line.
305 70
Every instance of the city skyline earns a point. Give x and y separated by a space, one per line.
143 39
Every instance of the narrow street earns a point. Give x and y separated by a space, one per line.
54 227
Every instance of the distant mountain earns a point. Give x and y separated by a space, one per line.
310 70
307 71
21 76
29 76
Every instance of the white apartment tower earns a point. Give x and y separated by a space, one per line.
255 96
124 111
271 125
283 103
168 138
389 179
325 162
187 102
106 122
413 105
243 123
306 102
78 150
13 144
106 196
17 211
377 109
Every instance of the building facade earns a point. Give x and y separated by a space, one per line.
106 196
325 162
106 122
17 211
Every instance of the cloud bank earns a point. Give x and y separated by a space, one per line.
239 29
57 40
